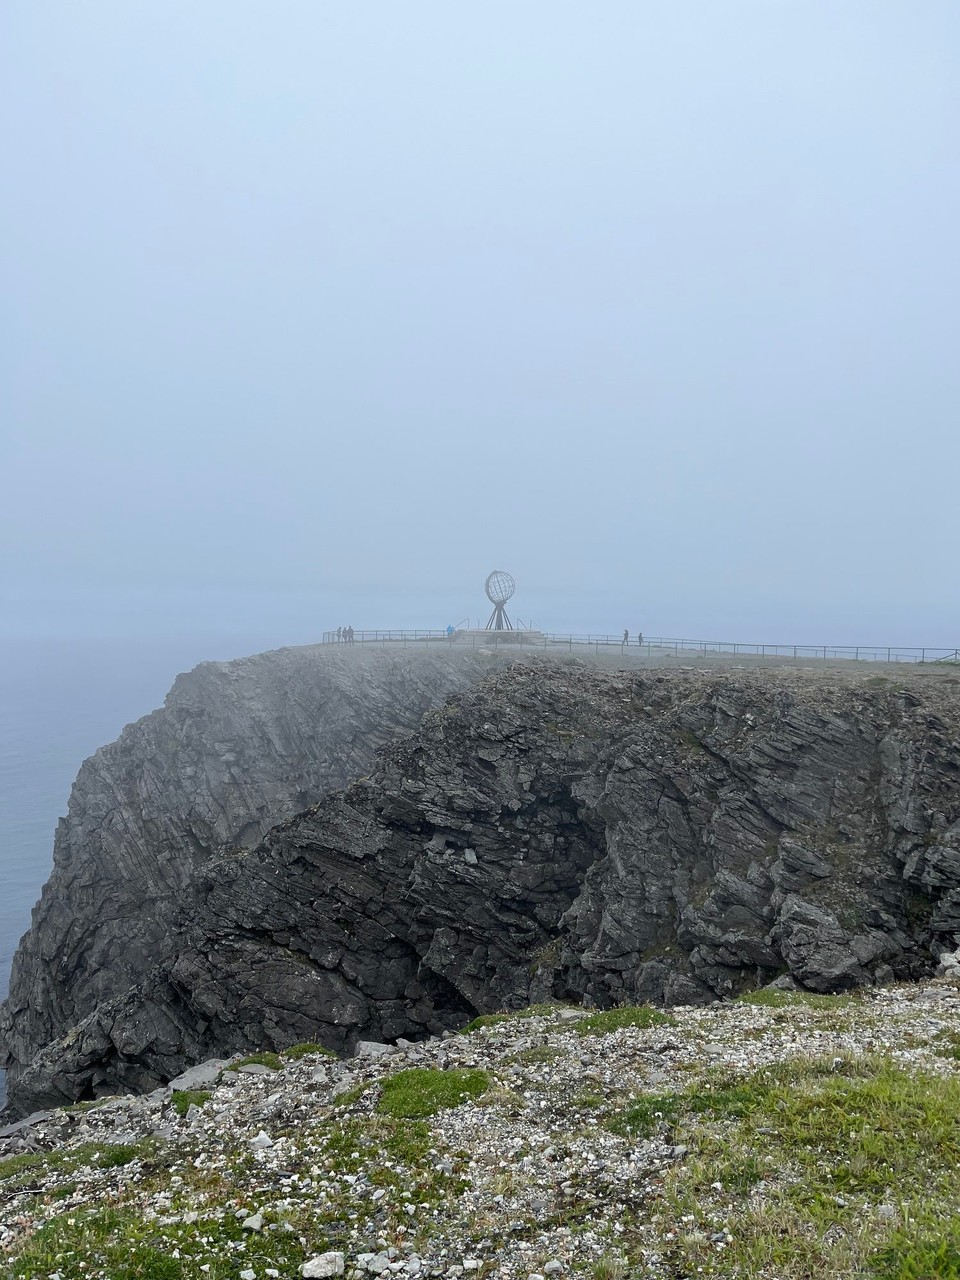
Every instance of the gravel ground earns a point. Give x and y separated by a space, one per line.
300 1170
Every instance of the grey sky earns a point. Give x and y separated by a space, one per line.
657 301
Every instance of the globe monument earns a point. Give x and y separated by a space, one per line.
499 587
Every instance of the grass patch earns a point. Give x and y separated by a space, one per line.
306 1049
114 1155
422 1091
771 998
399 1158
120 1244
587 1100
184 1099
923 1257
492 1019
539 1053
12 1166
20 1171
485 1020
646 1115
118 1241
797 1159
350 1096
601 1024
947 1045
264 1059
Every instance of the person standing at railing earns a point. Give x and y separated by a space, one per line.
639 638
339 634
626 636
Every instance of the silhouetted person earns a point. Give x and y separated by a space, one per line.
339 635
639 637
350 635
626 636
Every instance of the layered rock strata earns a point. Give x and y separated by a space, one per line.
236 748
558 831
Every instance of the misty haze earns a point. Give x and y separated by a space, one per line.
480 551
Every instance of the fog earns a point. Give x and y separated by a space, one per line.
319 310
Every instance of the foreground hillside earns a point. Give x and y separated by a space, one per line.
776 1137
554 832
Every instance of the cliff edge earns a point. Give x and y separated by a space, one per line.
237 747
558 831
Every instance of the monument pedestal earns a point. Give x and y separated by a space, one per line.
476 636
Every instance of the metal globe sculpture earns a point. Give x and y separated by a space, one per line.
499 587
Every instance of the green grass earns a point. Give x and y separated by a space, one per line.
485 1020
601 1024
537 1054
422 1091
118 1241
12 1166
307 1048
924 1257
818 1145
264 1059
644 1116
587 1100
184 1099
350 1096
114 1156
398 1156
947 1045
493 1019
100 1155
771 998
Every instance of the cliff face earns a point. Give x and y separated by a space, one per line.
237 747
561 831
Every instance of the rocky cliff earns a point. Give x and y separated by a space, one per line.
561 831
237 747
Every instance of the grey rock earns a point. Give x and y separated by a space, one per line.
785 982
372 1049
237 747
342 1087
200 1076
772 823
324 1265
28 1122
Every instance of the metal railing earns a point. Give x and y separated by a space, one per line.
653 646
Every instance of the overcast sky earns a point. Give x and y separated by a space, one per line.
653 304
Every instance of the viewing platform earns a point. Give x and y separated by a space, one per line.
652 648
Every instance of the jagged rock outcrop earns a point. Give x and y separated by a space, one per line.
563 831
237 747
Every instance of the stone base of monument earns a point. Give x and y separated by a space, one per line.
476 636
